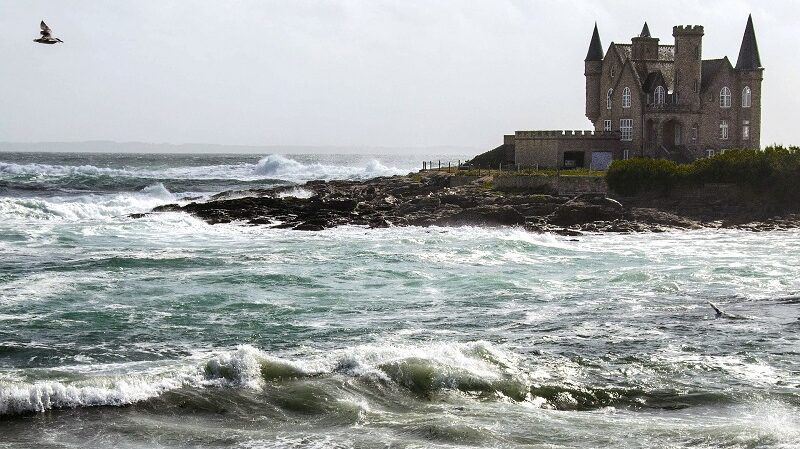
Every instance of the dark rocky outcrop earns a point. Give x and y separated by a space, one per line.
428 200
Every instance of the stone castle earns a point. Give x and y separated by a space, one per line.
651 100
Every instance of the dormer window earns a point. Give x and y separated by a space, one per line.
659 95
609 98
626 97
747 97
725 97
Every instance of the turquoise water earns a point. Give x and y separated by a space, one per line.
164 331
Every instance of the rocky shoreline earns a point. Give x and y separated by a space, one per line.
429 200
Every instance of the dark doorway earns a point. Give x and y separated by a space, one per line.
573 159
673 134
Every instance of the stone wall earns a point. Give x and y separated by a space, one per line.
546 148
552 184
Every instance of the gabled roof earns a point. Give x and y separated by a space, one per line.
709 70
625 51
637 79
595 52
749 58
653 80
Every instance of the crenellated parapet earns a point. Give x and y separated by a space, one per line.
687 29
566 134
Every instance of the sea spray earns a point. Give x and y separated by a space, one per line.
283 167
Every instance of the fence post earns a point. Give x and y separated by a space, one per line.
448 167
440 165
423 165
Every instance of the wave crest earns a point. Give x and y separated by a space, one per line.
86 207
42 396
279 166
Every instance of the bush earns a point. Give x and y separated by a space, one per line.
633 176
774 171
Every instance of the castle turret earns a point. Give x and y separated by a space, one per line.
688 63
593 65
748 67
645 47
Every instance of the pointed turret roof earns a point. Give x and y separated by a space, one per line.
595 47
748 54
645 31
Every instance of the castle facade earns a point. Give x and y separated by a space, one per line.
646 99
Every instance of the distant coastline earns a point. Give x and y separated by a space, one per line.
108 146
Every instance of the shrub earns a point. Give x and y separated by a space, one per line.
774 172
633 176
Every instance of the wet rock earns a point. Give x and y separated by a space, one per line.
428 199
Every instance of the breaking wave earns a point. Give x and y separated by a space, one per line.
472 370
85 207
269 167
278 166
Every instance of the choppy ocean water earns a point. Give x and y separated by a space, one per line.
164 331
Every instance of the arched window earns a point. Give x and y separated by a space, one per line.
747 97
659 95
609 97
725 97
626 97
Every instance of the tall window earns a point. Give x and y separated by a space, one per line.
609 98
694 86
626 97
694 132
747 97
723 129
611 72
606 125
659 95
745 129
725 97
626 128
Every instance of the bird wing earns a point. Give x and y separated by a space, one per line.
719 312
45 29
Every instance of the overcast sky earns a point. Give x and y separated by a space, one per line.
393 73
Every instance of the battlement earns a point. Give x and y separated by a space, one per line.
566 134
687 29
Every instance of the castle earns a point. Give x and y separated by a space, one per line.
658 101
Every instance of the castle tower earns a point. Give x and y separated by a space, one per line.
645 47
751 73
688 64
593 68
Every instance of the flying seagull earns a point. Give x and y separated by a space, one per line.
46 37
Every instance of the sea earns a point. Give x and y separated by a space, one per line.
167 332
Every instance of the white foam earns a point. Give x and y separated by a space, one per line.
281 167
40 396
296 192
86 207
